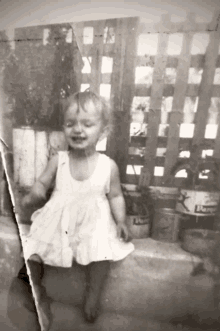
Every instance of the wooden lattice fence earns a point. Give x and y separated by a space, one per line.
163 81
178 97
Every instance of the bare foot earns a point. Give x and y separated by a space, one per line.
91 308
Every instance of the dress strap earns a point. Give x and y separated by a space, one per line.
105 168
62 157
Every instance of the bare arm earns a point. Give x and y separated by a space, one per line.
43 183
117 202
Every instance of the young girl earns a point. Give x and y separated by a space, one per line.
84 220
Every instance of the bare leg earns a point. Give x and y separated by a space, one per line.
96 275
37 272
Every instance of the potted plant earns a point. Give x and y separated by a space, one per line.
139 209
198 196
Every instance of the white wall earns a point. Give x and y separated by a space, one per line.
34 12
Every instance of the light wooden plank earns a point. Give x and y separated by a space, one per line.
142 90
127 94
116 84
41 152
97 52
105 78
174 27
172 144
206 90
184 143
159 71
77 48
24 156
178 105
216 91
151 142
155 106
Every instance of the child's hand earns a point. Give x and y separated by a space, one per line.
123 232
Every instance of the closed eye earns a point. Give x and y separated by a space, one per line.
88 125
68 124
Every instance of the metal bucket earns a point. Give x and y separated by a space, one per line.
199 203
166 225
139 226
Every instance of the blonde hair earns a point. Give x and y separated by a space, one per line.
83 98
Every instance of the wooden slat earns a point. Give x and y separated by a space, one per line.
105 78
116 83
158 75
168 90
41 152
184 143
177 106
87 50
172 61
156 181
118 64
151 142
197 61
216 91
167 26
216 152
142 90
139 161
155 106
192 90
24 156
206 90
127 94
97 51
77 45
172 144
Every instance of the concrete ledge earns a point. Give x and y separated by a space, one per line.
140 285
153 282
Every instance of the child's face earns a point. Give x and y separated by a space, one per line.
83 128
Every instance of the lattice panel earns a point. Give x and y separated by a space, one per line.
177 96
103 46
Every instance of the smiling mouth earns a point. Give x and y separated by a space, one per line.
78 139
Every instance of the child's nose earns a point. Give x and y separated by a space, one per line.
77 128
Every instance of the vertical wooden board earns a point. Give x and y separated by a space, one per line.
116 82
41 152
97 51
178 105
118 63
172 151
127 94
216 152
155 104
24 156
205 92
78 51
159 71
151 141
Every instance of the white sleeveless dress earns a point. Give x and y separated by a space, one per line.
76 223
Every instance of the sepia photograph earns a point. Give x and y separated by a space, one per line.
110 166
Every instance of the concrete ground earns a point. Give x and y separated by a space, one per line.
144 291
